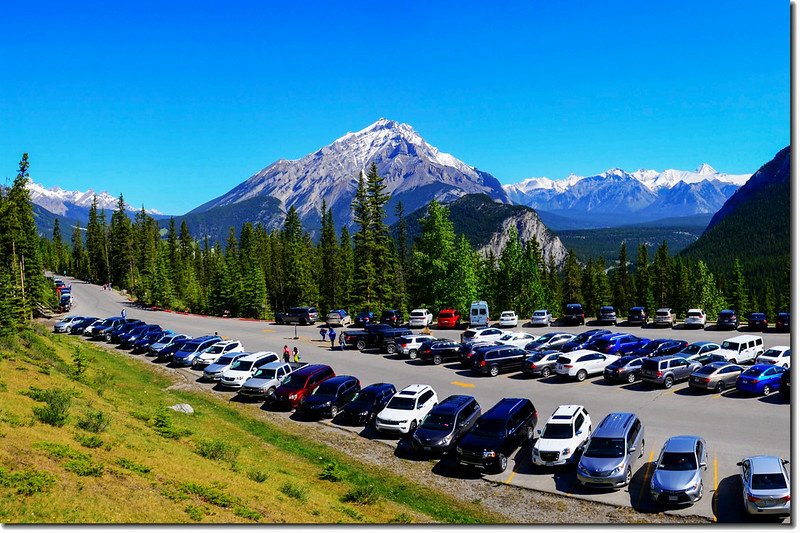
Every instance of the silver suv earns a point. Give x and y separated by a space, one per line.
668 370
613 449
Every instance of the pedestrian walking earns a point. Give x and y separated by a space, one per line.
322 332
342 343
296 355
124 313
332 336
286 354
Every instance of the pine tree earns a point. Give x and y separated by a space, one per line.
79 258
383 257
571 286
737 295
329 256
511 273
96 244
59 263
705 293
121 247
431 259
347 266
365 269
769 301
623 286
661 276
644 283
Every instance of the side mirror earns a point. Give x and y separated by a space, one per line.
579 432
739 463
632 449
538 431
703 464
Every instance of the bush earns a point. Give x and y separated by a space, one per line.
59 451
217 450
402 518
89 441
94 422
28 481
162 424
80 362
127 464
84 467
55 412
365 495
249 514
211 495
331 472
195 513
296 493
259 476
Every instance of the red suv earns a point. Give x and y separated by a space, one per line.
448 318
301 383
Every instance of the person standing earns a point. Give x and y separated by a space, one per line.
124 314
342 343
332 336
322 332
286 354
296 355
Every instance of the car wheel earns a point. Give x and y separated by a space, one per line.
785 365
732 361
720 386
334 411
700 493
391 349
641 448
668 382
631 377
581 375
279 321
493 371
271 392
766 390
437 359
628 476
108 338
412 427
412 354
69 330
529 433
502 463
360 345
546 372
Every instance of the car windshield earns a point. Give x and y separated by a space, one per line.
293 381
678 461
624 361
557 431
367 397
753 372
694 314
583 337
469 334
539 313
771 481
507 315
438 421
489 427
603 447
265 373
326 389
242 365
417 313
224 360
774 353
545 337
706 370
692 349
215 349
606 309
507 337
401 403
652 345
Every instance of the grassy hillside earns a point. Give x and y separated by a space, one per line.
85 438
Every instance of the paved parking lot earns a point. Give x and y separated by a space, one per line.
733 425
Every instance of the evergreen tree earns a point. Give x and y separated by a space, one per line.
96 244
623 286
431 259
60 262
299 283
769 301
737 295
571 286
463 277
383 257
644 283
121 247
662 276
347 267
365 269
79 260
705 293
330 275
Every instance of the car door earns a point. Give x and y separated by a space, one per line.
598 363
701 453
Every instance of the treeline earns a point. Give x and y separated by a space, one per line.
257 272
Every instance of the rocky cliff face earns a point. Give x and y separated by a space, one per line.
529 227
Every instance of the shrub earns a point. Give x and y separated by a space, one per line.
331 472
297 493
94 421
208 494
80 362
55 412
259 476
162 424
195 513
402 518
127 464
249 514
59 451
364 495
217 450
84 467
89 441
28 481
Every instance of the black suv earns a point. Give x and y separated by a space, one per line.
637 315
367 403
498 359
439 351
573 315
727 319
497 434
331 395
298 315
445 424
393 317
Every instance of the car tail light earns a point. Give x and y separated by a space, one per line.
703 380
567 366
483 363
533 365
427 351
658 374
753 499
786 498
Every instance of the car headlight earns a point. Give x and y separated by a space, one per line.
565 451
292 396
695 486
363 413
489 453
445 441
582 469
535 451
617 470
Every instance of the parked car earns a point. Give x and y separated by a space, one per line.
766 489
165 341
667 370
702 352
482 335
114 335
582 340
420 318
695 318
777 355
468 351
88 331
550 341
221 364
65 325
650 348
80 327
164 355
563 436
298 315
244 368
613 449
607 315
329 397
581 364
387 339
105 327
296 386
478 314
497 434
499 359
672 347
760 379
213 352
664 317
408 345
782 323
144 342
573 315
618 344
740 349
757 322
406 409
364 338
446 423
516 338
266 379
439 351
448 318
128 340
393 317
338 317
367 403
364 318
186 355
625 369
541 317
727 319
541 363
637 316
508 319
678 475
716 376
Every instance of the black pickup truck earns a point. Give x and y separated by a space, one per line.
298 315
381 336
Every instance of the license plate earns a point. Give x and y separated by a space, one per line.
427 448
673 498
767 503
549 463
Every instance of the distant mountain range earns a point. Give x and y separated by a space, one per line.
617 198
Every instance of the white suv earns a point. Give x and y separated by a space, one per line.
518 339
406 409
695 318
244 368
508 319
583 363
213 352
482 335
564 434
408 345
777 355
420 318
739 349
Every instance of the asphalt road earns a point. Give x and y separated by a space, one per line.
733 425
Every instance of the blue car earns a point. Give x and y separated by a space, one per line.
650 349
581 341
144 343
364 318
185 356
127 340
760 379
616 343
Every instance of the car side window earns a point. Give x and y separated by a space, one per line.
579 422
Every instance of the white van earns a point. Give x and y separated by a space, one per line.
739 349
479 314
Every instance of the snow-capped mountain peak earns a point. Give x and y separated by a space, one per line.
706 169
60 201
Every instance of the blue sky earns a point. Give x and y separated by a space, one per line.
175 104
